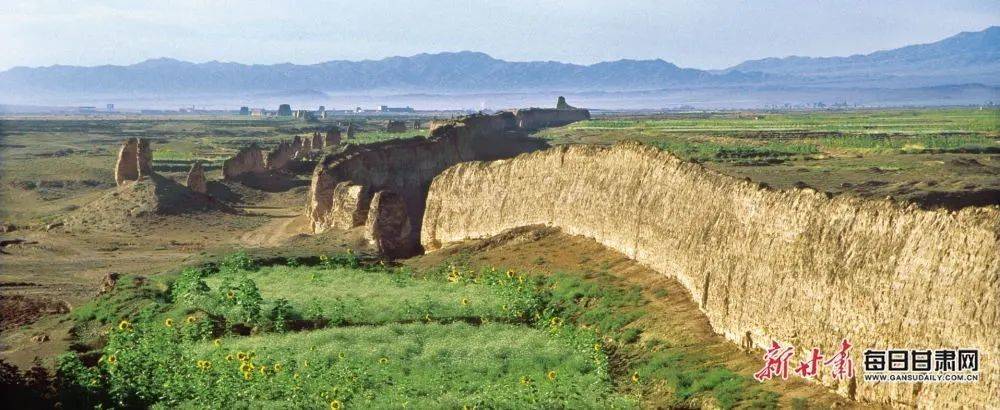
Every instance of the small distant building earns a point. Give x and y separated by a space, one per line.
244 110
284 110
386 108
86 109
110 108
258 112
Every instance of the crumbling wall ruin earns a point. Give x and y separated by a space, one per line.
348 206
406 168
135 161
144 158
794 266
332 137
279 158
388 226
317 141
538 118
126 168
249 160
196 178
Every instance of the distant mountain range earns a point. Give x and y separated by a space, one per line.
963 58
966 58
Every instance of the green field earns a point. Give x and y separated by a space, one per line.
707 137
353 334
934 157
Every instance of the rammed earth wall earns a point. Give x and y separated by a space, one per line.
794 266
343 183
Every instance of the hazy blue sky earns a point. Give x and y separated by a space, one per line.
700 34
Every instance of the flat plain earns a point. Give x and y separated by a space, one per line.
249 307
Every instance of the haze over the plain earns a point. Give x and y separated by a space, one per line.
710 50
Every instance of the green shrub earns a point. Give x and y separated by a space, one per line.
190 289
236 262
240 299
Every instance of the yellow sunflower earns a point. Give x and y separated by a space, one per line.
464 301
217 342
383 360
635 377
190 319
124 325
335 405
551 375
168 323
112 360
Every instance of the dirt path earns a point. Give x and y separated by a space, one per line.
280 229
672 317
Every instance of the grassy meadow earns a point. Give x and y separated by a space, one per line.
346 333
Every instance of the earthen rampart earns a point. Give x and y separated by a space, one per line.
346 180
794 266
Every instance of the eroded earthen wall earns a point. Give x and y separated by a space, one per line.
279 158
196 178
144 158
388 225
332 137
538 118
249 160
792 266
127 166
407 166
317 141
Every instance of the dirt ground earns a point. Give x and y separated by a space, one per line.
64 265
